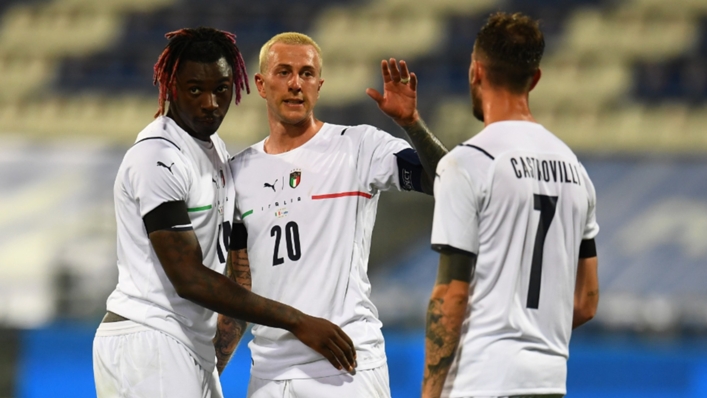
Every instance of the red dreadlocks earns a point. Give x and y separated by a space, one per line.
201 45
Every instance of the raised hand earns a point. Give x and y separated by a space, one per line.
327 339
399 98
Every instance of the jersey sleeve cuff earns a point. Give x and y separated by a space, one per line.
239 237
587 248
444 248
170 216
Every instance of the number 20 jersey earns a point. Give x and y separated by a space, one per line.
309 214
516 196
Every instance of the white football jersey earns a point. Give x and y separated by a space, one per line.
309 214
518 197
167 164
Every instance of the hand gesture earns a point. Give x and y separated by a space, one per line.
399 98
327 339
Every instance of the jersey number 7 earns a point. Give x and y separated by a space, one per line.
546 205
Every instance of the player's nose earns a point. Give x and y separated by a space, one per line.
209 102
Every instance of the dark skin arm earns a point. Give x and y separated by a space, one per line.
229 331
180 256
399 101
445 315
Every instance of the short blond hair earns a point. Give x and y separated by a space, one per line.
288 38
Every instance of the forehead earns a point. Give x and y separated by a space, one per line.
296 55
193 70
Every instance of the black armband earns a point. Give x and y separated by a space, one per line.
410 170
450 250
172 216
587 249
239 237
455 265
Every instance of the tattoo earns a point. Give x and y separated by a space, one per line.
429 149
441 343
228 334
229 331
593 293
241 269
445 315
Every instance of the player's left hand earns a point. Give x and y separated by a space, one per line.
399 98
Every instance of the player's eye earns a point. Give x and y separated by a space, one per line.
222 89
194 90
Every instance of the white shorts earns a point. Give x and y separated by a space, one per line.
370 383
132 360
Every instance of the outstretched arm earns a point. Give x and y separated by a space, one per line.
399 101
229 331
445 315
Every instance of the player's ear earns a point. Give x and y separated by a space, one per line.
536 79
260 84
476 72
319 87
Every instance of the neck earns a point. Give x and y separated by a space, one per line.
183 126
285 137
500 105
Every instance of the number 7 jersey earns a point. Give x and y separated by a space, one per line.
516 196
309 214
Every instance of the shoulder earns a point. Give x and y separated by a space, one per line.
362 137
554 141
476 149
346 132
243 157
155 146
358 131
144 157
468 159
150 150
156 137
455 160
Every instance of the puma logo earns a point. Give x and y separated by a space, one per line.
165 166
266 185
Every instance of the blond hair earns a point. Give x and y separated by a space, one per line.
288 38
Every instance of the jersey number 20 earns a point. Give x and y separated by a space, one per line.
294 251
546 205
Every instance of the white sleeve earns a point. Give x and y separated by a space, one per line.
456 215
158 174
591 229
377 163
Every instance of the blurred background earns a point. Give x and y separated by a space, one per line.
624 84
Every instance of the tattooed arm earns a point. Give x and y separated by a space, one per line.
586 291
229 331
429 149
445 315
399 101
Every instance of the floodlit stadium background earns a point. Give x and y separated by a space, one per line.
624 84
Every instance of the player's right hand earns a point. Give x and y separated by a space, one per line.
327 339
